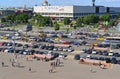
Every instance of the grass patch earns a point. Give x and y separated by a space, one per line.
17 26
61 23
66 28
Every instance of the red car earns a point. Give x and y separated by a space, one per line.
66 42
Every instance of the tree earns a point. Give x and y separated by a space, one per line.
42 21
10 18
56 26
112 22
37 18
22 18
79 22
67 21
118 16
105 17
48 21
3 20
90 19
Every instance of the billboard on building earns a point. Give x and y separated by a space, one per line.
53 9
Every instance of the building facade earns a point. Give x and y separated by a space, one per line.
74 12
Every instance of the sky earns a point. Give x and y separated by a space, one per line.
31 3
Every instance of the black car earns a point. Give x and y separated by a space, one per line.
105 53
116 54
77 57
113 60
43 47
108 60
101 58
35 46
94 58
25 46
89 51
118 61
51 47
99 52
47 47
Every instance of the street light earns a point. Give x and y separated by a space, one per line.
13 24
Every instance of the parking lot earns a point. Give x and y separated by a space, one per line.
52 48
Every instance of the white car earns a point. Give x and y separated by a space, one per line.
61 55
94 52
70 49
110 53
65 49
55 49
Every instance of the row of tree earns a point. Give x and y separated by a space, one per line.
16 18
39 20
92 19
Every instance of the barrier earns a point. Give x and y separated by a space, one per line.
95 62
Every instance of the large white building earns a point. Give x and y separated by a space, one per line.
74 12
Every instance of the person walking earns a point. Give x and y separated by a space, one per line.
51 67
29 69
13 64
3 64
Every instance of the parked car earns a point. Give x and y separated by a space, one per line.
105 53
70 49
62 55
108 60
111 53
9 50
25 46
113 60
116 54
118 61
101 58
77 57
55 49
94 52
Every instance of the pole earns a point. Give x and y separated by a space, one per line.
14 40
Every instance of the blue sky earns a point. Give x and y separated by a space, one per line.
8 3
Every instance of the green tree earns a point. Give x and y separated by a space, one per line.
42 21
90 19
48 21
39 20
79 22
22 18
105 17
118 16
10 18
67 21
112 22
3 20
56 26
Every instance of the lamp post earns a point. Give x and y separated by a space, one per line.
14 39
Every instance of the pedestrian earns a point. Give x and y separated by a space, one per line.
51 67
9 59
58 61
26 58
91 70
13 64
54 65
15 56
29 69
3 64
